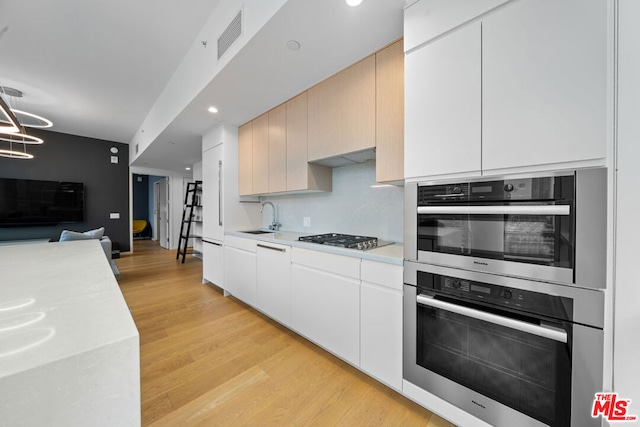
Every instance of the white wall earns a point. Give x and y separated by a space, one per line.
626 366
353 207
200 66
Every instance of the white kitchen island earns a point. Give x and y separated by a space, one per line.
69 349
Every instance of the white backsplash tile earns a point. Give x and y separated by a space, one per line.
353 207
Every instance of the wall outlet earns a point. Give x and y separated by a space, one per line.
114 215
306 221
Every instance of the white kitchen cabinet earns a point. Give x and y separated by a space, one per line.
212 224
240 268
381 322
213 262
443 90
425 20
326 301
274 281
544 70
212 193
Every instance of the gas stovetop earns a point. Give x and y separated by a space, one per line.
344 241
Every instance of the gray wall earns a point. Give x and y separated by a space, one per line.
140 187
73 158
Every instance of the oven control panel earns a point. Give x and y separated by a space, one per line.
517 189
482 291
496 295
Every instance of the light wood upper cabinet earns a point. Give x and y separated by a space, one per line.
300 174
357 109
261 154
273 153
342 112
390 113
324 115
357 85
245 159
277 154
297 146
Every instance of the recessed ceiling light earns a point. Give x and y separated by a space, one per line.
293 45
188 168
353 3
213 110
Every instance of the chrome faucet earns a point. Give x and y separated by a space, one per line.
274 224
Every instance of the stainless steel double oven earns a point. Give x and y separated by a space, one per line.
503 307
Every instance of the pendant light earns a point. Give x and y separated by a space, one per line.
12 127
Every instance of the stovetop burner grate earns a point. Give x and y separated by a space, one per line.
342 240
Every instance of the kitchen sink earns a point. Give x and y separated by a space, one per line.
258 231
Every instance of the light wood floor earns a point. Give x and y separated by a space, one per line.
211 360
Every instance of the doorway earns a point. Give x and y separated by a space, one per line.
161 212
147 207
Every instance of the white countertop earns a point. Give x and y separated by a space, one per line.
69 349
390 254
57 300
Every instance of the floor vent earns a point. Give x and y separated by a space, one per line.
231 34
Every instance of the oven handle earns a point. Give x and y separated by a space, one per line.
498 210
542 331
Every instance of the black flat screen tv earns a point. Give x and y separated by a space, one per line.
25 202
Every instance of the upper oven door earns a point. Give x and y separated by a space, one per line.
526 239
550 227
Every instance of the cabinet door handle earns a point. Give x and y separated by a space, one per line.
497 210
220 193
211 243
272 248
541 331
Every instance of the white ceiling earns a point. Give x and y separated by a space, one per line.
95 68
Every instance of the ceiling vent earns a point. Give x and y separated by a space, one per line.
231 34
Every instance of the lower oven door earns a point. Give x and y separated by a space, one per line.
529 371
498 367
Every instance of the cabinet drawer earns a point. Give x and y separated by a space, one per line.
380 273
240 243
428 19
331 263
